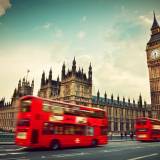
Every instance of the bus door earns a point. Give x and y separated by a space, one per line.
89 133
34 136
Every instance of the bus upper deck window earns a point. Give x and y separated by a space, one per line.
25 105
141 122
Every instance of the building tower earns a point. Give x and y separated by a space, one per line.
153 61
49 88
76 86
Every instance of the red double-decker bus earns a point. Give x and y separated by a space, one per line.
147 129
55 124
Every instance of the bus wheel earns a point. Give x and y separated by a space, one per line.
94 143
55 145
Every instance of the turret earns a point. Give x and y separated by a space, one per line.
140 101
50 75
63 72
111 98
98 95
43 79
32 86
90 73
23 82
19 84
74 66
58 79
123 101
105 97
133 102
118 98
129 102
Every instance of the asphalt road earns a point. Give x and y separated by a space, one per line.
123 150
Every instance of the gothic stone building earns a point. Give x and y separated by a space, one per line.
122 115
153 61
8 110
76 87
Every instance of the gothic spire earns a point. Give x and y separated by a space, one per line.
43 79
90 73
133 102
155 23
23 82
98 96
118 98
112 97
105 96
63 71
50 75
140 101
58 78
32 84
123 100
19 84
74 66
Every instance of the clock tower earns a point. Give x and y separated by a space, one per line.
153 61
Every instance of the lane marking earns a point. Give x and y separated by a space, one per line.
43 156
112 150
139 147
150 155
10 150
3 154
14 153
71 155
19 149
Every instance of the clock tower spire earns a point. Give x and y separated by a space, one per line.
153 61
155 24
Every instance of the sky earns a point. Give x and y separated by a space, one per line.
43 34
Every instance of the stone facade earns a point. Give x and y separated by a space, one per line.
74 87
122 114
153 61
8 110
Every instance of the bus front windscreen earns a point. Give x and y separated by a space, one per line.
23 122
25 105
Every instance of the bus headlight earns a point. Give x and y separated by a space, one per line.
21 135
142 136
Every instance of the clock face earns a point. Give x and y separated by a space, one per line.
155 54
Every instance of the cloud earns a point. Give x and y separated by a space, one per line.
119 68
58 33
4 5
84 19
34 57
146 20
47 25
118 61
81 35
117 80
